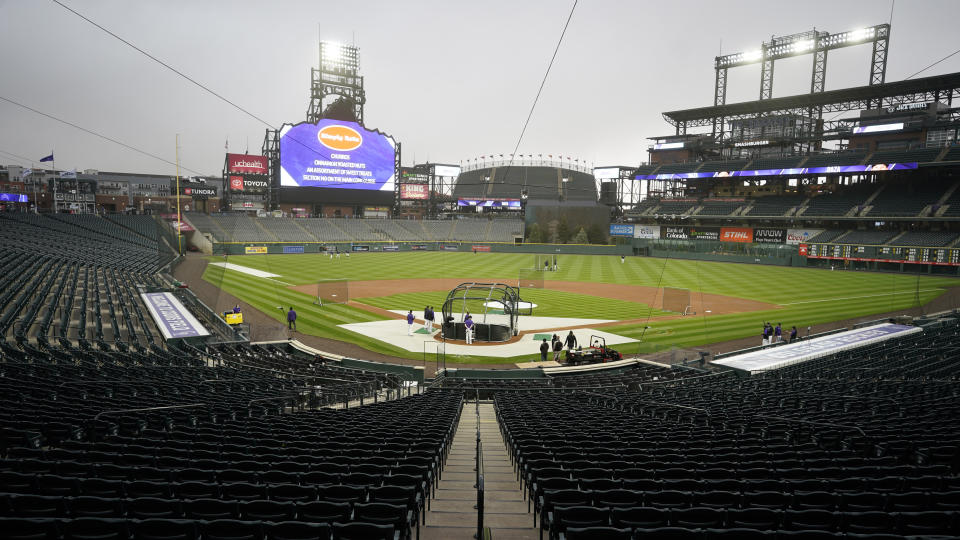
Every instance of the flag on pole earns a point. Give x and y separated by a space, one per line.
47 158
68 174
25 173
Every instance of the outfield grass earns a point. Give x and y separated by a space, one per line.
805 296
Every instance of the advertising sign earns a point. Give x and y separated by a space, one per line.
621 229
200 192
13 197
834 169
606 173
255 250
449 171
244 164
769 236
801 236
491 203
481 248
704 233
293 249
742 235
390 247
360 248
646 231
419 192
173 319
674 233
336 154
418 247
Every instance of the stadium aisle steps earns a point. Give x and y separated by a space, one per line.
452 513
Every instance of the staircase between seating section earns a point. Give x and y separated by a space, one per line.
453 512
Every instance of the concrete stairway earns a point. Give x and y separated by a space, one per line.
453 513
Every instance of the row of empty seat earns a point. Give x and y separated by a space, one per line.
242 228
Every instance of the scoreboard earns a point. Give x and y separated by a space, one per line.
892 254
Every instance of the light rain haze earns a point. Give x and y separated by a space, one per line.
450 80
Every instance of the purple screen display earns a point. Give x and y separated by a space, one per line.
336 154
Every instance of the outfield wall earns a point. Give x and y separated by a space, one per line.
278 248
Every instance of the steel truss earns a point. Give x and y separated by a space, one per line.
337 76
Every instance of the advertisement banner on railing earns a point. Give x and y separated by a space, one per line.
769 236
743 235
621 229
293 249
801 236
674 233
173 319
646 231
255 250
390 247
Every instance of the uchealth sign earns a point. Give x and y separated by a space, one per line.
801 236
621 229
769 236
244 164
736 234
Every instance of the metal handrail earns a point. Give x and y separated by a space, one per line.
167 407
811 422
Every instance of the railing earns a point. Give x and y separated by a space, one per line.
573 165
479 479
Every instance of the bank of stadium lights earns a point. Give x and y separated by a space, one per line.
336 56
799 44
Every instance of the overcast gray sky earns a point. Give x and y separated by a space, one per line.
449 80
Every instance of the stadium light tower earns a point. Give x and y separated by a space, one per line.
813 42
338 77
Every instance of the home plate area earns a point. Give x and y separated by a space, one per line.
394 332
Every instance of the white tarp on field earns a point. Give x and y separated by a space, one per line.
810 349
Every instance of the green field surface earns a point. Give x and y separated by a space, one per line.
804 296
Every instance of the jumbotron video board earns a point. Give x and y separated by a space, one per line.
336 154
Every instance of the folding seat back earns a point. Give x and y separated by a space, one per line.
165 529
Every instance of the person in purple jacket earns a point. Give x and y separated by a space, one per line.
292 319
468 325
410 323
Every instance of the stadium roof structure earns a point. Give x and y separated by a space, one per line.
934 88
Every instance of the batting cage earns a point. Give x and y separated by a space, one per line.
530 278
333 291
677 300
493 307
546 263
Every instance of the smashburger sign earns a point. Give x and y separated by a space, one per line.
244 164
